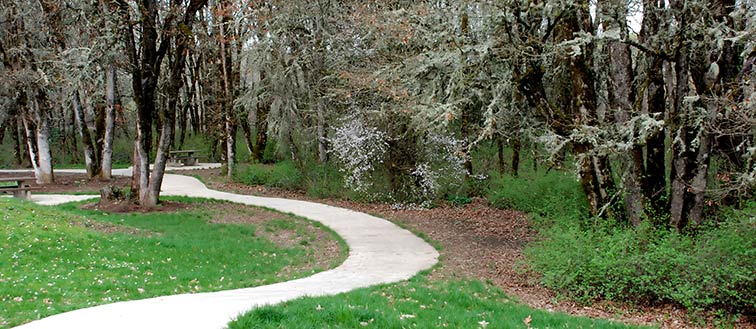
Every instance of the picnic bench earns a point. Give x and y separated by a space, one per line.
185 157
20 187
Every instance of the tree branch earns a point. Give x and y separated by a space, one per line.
645 49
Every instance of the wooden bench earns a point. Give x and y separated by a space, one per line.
20 187
185 157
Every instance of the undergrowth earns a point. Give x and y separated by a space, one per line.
586 259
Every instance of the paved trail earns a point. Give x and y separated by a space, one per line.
379 252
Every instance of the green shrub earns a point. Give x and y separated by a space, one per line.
458 200
254 174
548 195
714 269
282 175
325 181
285 175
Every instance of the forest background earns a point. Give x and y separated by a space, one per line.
637 145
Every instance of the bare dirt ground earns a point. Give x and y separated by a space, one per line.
477 242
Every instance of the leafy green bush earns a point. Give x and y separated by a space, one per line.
283 175
458 200
714 269
325 181
550 194
254 174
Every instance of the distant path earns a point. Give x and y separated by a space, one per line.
379 252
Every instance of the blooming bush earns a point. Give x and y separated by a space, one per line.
358 147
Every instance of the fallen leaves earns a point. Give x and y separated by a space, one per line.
527 321
406 316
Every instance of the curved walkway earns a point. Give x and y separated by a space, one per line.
379 252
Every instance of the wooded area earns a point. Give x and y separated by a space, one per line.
659 122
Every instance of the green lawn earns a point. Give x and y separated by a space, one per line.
418 303
56 259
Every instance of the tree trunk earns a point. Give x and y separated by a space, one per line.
18 142
500 154
113 103
247 130
228 88
654 180
588 178
85 135
516 146
261 132
145 75
466 132
701 75
3 128
621 77
43 140
581 110
320 106
31 146
322 140
42 159
158 172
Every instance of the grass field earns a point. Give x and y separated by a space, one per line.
56 259
418 303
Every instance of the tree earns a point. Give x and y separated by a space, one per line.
24 57
146 61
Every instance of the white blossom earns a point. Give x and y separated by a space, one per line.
358 147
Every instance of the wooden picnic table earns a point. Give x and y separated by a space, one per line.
20 187
186 157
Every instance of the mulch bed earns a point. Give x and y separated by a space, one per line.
477 240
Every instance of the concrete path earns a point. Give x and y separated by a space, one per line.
379 252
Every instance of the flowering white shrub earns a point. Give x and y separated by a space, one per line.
358 147
443 166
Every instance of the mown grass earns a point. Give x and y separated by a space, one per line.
56 259
418 303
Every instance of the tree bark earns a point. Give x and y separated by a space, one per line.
3 128
81 125
701 75
516 146
228 87
113 103
261 133
321 126
581 110
320 106
654 102
18 142
38 139
623 98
